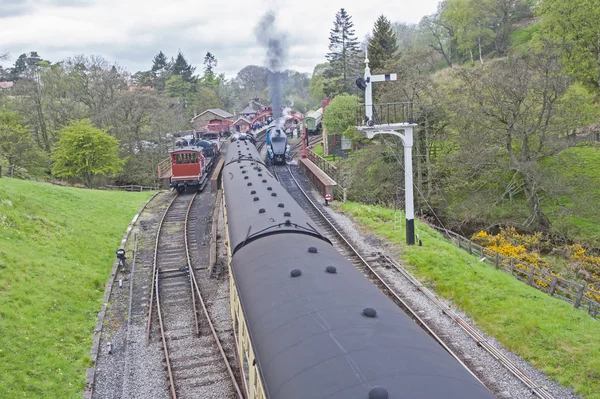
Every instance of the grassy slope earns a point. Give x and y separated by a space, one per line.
549 333
57 248
581 166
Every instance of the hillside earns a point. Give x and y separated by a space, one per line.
58 245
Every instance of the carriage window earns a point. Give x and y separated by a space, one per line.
185 158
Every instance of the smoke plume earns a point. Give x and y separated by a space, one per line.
273 41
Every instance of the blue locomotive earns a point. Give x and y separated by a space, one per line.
278 149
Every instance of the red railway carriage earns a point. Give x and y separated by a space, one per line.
189 168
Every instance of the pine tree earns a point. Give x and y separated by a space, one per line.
181 67
383 44
210 61
160 62
343 55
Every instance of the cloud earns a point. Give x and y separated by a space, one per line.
131 32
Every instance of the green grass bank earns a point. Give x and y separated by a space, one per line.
549 333
57 246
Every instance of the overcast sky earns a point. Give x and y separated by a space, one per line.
131 32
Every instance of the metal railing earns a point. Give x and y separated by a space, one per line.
386 113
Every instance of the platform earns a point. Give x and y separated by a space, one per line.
320 180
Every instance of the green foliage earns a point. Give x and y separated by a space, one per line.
574 26
340 114
84 151
521 38
549 333
16 144
58 245
176 86
371 175
317 82
383 44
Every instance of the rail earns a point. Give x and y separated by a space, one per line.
196 297
386 113
578 295
473 333
384 286
153 292
205 309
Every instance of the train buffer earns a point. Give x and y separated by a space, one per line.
324 184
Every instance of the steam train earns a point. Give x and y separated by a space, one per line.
278 149
307 323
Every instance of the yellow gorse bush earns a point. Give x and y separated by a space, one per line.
525 248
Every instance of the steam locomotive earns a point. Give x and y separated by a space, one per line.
278 150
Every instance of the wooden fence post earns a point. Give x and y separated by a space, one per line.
0 170
553 286
11 171
497 260
470 249
512 265
579 296
530 278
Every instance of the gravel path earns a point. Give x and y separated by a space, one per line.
497 378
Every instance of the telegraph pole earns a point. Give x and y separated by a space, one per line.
371 129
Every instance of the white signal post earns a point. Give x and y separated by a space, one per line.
392 128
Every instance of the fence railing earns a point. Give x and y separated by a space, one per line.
578 295
130 188
323 164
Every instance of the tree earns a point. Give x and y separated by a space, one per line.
16 144
343 56
160 63
84 151
250 82
508 117
23 63
340 114
439 34
317 82
182 68
176 86
96 83
470 19
210 62
574 25
383 45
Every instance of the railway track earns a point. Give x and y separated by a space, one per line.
329 226
195 361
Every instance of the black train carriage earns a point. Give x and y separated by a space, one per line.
302 314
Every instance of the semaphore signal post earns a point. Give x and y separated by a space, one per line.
391 118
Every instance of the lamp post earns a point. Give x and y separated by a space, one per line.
371 130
